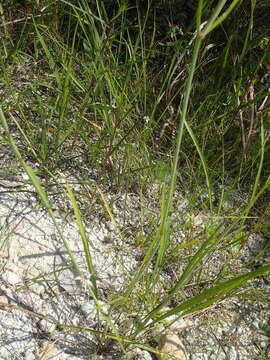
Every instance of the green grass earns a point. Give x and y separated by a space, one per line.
141 109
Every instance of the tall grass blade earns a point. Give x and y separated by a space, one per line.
204 165
211 295
84 238
164 228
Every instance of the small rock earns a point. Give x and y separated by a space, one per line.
178 324
90 308
39 289
4 300
47 326
140 354
171 347
10 277
29 355
68 282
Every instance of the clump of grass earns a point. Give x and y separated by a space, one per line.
108 101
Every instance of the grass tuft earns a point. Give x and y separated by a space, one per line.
182 110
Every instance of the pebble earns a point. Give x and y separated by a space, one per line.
47 326
171 346
29 355
4 300
140 354
68 281
11 278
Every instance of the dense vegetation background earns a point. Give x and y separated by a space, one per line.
147 47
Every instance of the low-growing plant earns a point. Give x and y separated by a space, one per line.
105 95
